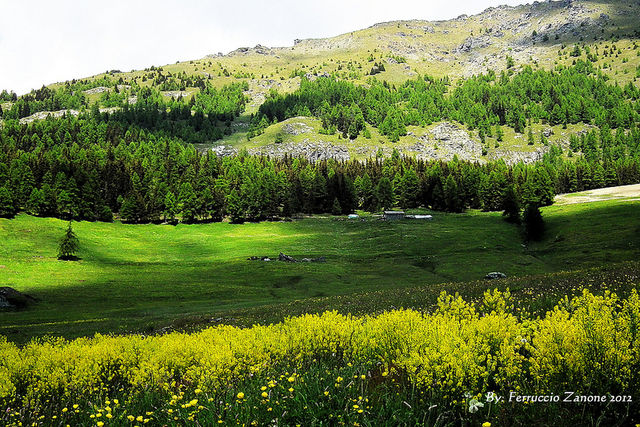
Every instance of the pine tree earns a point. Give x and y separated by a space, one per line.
511 206
235 207
366 194
36 202
452 199
533 222
7 208
129 211
68 245
188 203
170 207
384 192
336 209
409 189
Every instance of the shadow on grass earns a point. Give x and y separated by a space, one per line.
137 289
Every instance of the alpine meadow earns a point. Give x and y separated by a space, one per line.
417 223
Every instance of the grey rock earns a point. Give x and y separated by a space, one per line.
451 141
495 275
296 128
41 115
471 43
512 157
286 258
95 90
224 151
314 151
176 93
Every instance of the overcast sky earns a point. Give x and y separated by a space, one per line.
45 41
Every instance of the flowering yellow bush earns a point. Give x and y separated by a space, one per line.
590 343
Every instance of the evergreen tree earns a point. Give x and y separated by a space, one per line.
492 191
170 207
384 193
68 245
129 211
409 189
451 197
235 207
511 206
366 194
35 204
533 222
105 214
188 203
336 209
7 208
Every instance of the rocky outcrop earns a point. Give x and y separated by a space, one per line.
314 151
41 115
471 43
512 157
447 140
224 150
95 90
296 128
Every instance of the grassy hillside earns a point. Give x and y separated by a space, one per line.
542 35
135 277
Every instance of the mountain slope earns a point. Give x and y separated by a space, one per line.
542 35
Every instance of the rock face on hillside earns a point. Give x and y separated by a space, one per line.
447 140
296 128
513 157
95 90
314 151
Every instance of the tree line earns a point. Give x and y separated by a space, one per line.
93 166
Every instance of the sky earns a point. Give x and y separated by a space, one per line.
46 41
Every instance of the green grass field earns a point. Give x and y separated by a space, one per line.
143 277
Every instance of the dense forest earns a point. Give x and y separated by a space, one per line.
89 168
567 95
136 160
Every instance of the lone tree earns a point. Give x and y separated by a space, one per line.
68 245
533 222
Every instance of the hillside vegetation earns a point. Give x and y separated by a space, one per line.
543 36
400 367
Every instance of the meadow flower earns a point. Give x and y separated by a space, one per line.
474 405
